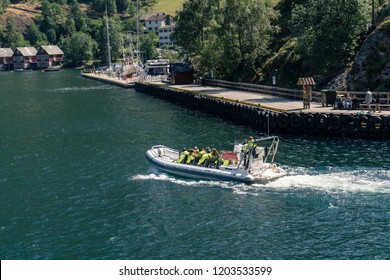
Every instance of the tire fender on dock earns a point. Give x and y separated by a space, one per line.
322 121
376 124
386 123
309 121
349 123
283 120
335 122
296 121
363 125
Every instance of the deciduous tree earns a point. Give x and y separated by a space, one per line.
328 31
78 48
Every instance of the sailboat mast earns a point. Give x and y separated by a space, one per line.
108 43
138 58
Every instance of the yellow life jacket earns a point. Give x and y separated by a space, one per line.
182 156
204 157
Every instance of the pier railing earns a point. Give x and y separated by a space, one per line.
290 93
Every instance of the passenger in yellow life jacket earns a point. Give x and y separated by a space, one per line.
183 156
214 157
199 155
196 156
191 156
205 156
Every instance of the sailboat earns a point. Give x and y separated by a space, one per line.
129 65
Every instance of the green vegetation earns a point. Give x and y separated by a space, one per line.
3 5
239 40
249 40
169 7
81 33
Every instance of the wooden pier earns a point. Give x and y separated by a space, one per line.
267 108
128 83
269 112
273 101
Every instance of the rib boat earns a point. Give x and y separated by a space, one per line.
253 165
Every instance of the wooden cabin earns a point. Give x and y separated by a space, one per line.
25 58
6 61
48 56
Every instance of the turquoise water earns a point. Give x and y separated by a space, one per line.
75 184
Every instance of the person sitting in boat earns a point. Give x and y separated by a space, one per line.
199 155
225 162
192 155
214 158
205 156
183 156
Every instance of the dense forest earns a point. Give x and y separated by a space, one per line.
251 40
240 40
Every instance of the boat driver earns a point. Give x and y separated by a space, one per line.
248 147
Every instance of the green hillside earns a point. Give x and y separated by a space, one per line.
168 6
239 40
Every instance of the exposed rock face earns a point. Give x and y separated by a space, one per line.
371 67
22 13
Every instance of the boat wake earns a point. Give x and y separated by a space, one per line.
329 180
177 181
336 180
77 89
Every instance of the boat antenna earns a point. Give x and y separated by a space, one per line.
108 44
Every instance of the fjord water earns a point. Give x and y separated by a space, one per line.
75 184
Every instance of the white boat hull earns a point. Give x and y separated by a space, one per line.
165 158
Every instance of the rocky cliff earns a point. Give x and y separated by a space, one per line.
371 66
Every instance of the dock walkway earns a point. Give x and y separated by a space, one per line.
267 111
272 113
270 102
128 83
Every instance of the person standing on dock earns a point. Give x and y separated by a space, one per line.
377 103
369 100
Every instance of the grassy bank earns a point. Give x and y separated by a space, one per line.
168 6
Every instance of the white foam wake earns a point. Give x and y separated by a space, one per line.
377 181
72 89
338 180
